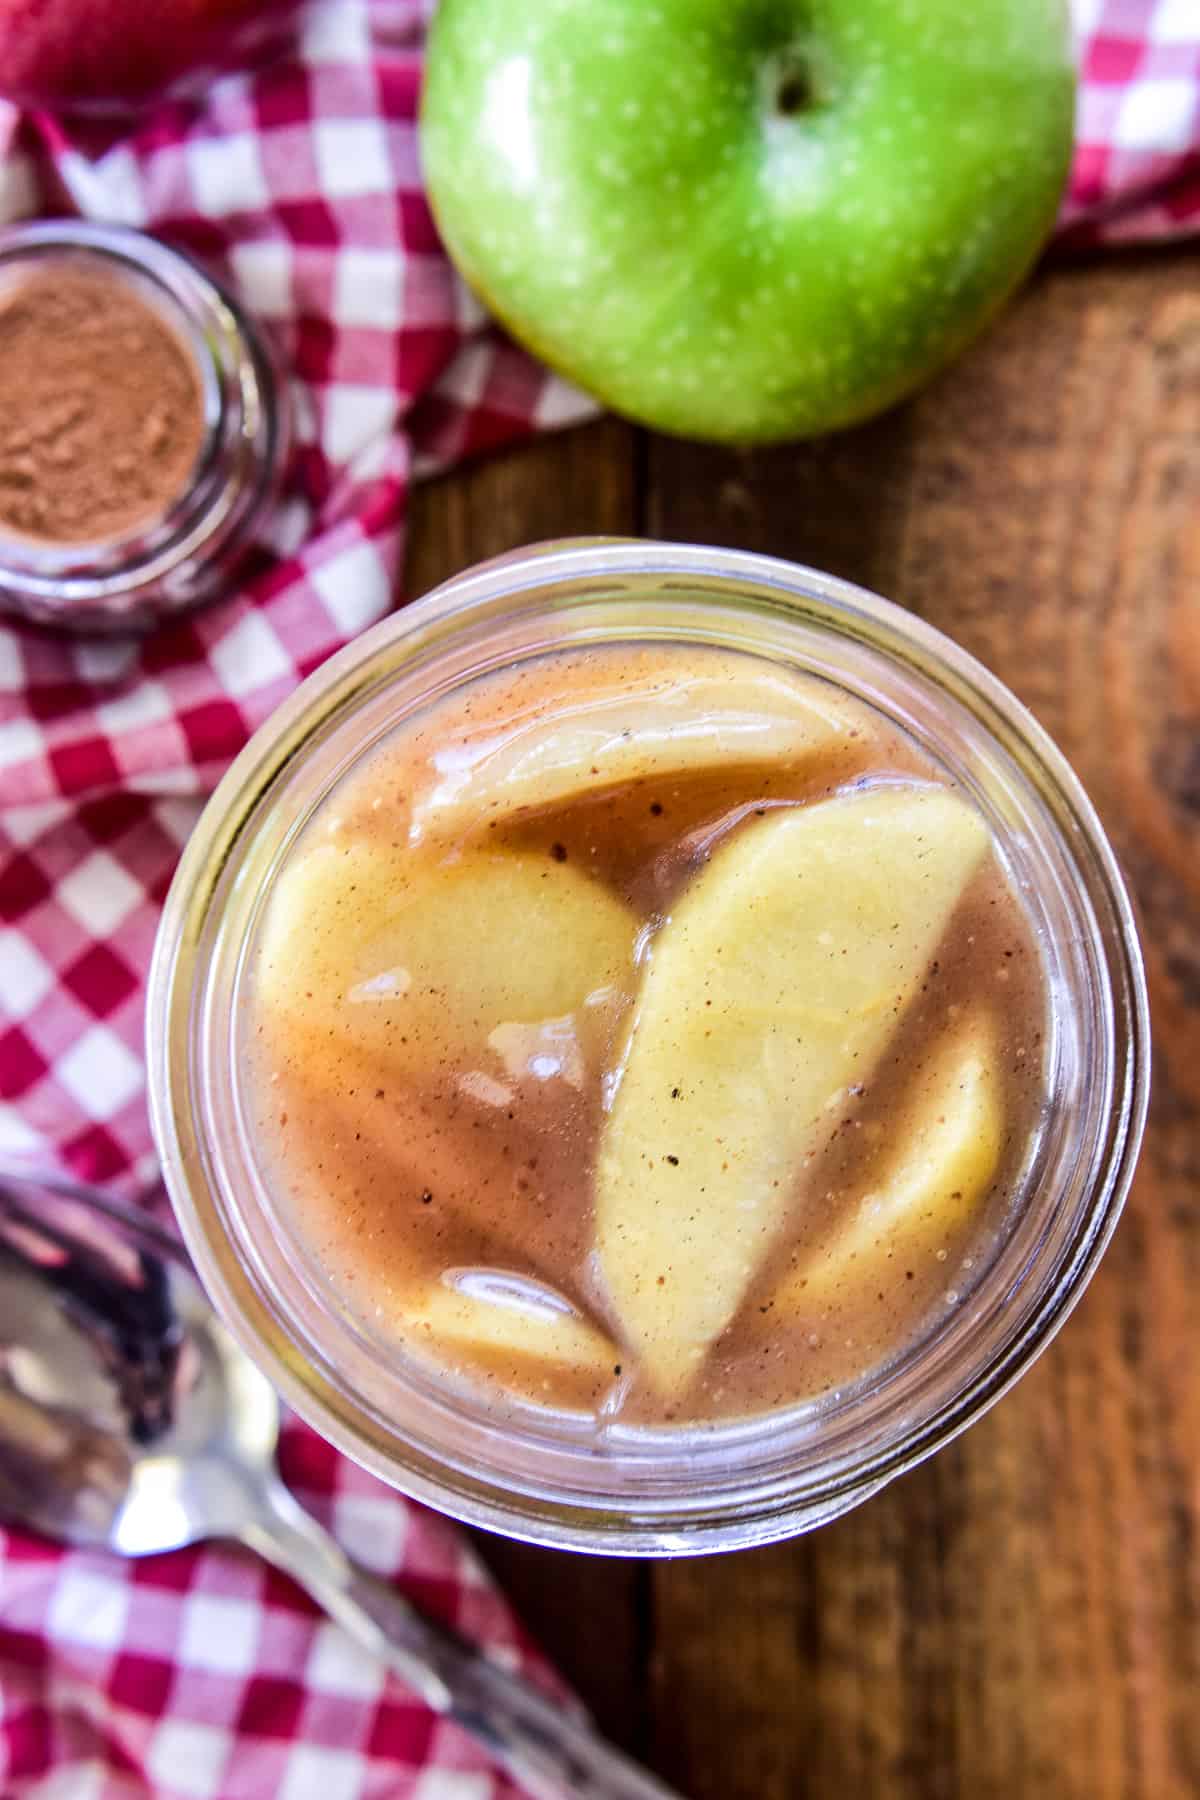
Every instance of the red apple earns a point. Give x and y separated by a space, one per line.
91 52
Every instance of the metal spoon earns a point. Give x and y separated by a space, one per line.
129 1419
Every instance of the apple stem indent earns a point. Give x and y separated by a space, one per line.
794 91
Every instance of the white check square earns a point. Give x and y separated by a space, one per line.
226 175
262 270
249 656
467 376
368 289
220 1633
20 741
352 157
144 703
109 187
1176 22
25 977
100 1073
450 1784
1085 15
561 404
24 825
188 1759
336 1665
354 587
104 660
372 1529
335 34
354 417
99 894
314 1773
89 1608
1158 116
16 1137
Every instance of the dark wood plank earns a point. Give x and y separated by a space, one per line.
1020 1617
589 1615
572 484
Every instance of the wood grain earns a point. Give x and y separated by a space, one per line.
1021 1617
576 484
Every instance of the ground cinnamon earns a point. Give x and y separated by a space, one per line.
101 410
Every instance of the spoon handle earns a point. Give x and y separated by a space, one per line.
553 1754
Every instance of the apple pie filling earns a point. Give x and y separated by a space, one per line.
650 1032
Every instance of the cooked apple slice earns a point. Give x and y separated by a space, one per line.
941 1160
619 730
505 1319
775 985
422 962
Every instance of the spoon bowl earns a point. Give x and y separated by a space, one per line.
131 1421
84 1460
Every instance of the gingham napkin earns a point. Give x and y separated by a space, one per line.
1136 174
204 1674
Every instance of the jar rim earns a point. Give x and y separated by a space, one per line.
646 1511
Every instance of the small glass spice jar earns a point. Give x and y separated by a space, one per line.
143 428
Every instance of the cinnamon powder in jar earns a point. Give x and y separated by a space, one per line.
101 408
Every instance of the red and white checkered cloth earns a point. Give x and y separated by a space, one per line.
1136 175
204 1674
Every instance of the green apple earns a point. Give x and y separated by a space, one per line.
746 219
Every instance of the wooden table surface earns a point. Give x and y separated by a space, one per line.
1021 1616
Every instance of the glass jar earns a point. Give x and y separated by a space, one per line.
182 553
547 1477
